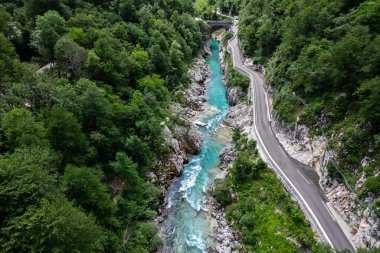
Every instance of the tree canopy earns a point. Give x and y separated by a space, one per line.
84 86
323 59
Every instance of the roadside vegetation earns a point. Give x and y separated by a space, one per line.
78 137
234 78
323 59
260 207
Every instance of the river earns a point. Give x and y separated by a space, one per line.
186 227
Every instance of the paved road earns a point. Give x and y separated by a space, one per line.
292 173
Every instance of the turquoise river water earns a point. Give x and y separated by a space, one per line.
186 227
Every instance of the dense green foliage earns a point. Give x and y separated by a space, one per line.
78 136
234 78
263 210
207 9
323 59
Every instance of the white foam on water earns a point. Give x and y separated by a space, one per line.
214 109
190 177
169 204
197 242
196 206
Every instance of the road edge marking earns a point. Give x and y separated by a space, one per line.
274 163
303 176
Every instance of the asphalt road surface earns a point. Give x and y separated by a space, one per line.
294 175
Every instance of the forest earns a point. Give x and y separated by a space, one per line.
84 86
323 60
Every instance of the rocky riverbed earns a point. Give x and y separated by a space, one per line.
185 139
228 239
183 136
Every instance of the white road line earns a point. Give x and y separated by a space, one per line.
266 101
282 151
328 210
303 176
277 167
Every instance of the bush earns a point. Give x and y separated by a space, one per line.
333 171
222 194
376 207
373 184
248 220
244 168
226 37
260 165
236 134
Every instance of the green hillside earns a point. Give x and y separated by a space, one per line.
90 120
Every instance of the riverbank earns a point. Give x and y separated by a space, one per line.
228 239
270 201
186 223
182 135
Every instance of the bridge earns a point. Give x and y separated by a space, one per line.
219 23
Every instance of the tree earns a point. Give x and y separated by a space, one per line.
266 37
39 7
96 115
95 108
140 151
65 135
139 63
49 29
373 184
126 169
9 63
5 17
69 56
24 180
244 168
43 91
369 92
127 9
84 187
20 128
52 226
177 60
156 85
159 53
108 62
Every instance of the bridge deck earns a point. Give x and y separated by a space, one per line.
219 23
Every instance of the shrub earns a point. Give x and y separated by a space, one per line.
333 170
248 220
376 207
222 194
250 204
236 134
260 165
244 168
373 184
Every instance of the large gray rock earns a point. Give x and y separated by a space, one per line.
233 95
358 222
184 139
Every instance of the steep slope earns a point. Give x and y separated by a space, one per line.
81 139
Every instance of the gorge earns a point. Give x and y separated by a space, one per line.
186 227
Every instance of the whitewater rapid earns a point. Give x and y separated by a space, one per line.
186 227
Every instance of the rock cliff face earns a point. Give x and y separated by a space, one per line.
356 217
183 137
